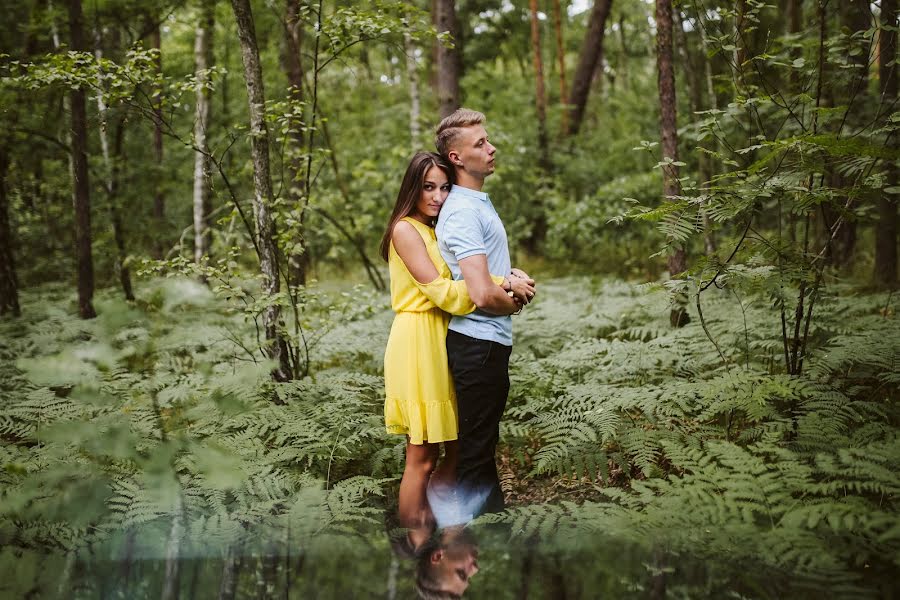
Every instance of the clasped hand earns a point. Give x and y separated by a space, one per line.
522 286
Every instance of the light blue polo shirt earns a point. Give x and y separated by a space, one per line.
468 225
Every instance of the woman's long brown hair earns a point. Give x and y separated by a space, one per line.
411 190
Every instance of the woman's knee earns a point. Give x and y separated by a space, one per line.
422 458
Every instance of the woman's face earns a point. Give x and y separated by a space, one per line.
435 189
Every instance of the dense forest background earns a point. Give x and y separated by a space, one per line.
193 309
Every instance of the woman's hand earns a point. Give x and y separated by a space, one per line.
521 274
522 289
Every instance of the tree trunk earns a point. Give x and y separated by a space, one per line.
9 282
202 61
794 20
81 190
621 65
159 201
172 581
115 213
677 261
540 99
561 61
447 60
231 569
111 167
262 183
293 35
412 77
591 56
886 228
740 50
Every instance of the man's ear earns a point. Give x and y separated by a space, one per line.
455 160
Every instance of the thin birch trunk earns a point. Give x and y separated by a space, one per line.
885 275
159 200
172 581
111 169
263 197
201 202
295 182
412 78
230 573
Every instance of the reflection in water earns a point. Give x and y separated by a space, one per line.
358 563
431 531
445 565
442 565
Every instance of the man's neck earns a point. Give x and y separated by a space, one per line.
468 181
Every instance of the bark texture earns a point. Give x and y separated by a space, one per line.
111 164
172 577
159 199
412 78
299 261
202 61
9 282
447 60
231 568
116 214
262 184
886 227
81 199
591 56
668 132
540 97
561 63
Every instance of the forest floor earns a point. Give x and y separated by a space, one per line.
616 423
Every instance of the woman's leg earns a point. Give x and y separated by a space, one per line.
413 506
445 474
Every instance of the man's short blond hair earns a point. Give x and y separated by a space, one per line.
452 126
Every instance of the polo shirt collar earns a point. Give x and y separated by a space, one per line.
458 189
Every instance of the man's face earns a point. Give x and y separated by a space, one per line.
473 153
454 565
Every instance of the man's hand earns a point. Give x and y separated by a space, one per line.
522 285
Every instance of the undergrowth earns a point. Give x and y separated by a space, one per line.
151 432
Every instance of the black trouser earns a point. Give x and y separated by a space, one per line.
480 370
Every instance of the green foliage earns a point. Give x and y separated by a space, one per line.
152 415
713 458
147 417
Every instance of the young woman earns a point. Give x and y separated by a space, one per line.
420 402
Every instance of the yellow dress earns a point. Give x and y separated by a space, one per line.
419 397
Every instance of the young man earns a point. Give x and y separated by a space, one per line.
473 241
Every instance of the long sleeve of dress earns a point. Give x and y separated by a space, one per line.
450 295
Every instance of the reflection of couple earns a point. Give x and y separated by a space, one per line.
459 267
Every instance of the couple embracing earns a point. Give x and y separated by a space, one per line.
447 359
